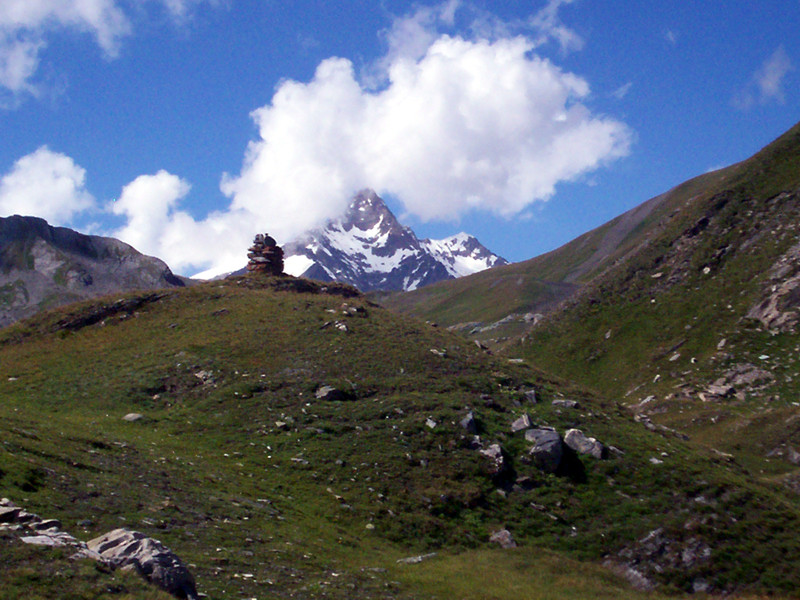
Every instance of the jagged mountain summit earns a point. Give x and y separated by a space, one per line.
43 266
370 249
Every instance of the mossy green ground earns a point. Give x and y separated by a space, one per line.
268 492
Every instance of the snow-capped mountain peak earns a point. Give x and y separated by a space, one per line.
370 249
462 254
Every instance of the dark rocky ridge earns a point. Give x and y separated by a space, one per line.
43 266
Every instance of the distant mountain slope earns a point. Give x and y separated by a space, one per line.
503 301
43 266
371 250
723 259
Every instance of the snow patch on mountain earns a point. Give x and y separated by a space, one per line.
367 247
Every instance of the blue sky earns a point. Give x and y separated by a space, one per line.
184 127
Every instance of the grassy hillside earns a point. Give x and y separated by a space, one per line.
682 329
269 491
492 305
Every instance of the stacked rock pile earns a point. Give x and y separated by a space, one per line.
265 256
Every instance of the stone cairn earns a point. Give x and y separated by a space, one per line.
265 256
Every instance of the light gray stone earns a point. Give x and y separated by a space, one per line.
46 524
503 538
497 457
123 548
327 392
565 403
577 440
9 514
415 560
520 424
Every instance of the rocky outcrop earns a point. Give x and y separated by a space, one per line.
740 380
120 548
659 551
126 549
34 530
44 267
779 310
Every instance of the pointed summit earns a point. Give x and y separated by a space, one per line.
369 248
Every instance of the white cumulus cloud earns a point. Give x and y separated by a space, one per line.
155 225
470 125
45 184
455 125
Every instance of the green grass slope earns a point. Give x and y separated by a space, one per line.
492 305
268 491
679 331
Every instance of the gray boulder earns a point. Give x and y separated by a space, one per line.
126 549
521 424
503 538
547 449
327 392
9 514
577 440
469 424
565 403
497 461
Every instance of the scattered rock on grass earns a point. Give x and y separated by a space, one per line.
520 424
126 549
565 403
547 449
577 440
503 538
469 424
327 392
498 464
413 560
